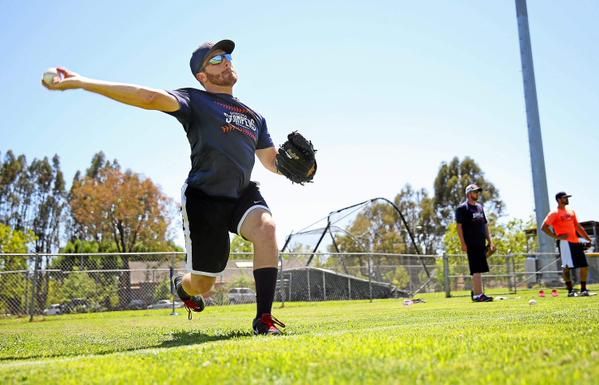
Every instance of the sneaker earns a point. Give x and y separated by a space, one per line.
192 303
572 294
482 298
584 293
554 293
542 293
267 325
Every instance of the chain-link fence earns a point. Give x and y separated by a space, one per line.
34 284
511 272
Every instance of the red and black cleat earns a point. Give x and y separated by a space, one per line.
192 303
267 325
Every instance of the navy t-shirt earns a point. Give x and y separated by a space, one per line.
224 135
473 221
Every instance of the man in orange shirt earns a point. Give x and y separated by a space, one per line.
566 230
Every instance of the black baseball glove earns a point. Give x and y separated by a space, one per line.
296 159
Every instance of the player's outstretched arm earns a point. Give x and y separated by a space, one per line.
133 95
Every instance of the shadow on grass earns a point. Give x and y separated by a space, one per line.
179 338
182 338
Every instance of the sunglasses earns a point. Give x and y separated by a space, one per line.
215 60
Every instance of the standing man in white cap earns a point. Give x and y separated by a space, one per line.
566 230
475 239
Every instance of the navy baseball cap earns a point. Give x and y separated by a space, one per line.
560 195
199 55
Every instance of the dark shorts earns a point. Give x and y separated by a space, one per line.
477 259
572 254
207 221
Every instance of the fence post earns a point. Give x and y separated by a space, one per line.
281 282
370 277
171 275
446 275
308 279
348 287
34 288
324 286
509 265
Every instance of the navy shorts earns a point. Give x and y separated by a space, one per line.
207 221
477 259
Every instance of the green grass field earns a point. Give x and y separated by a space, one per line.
443 341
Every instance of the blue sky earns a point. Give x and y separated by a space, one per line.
387 90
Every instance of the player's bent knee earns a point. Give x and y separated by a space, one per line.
202 284
268 229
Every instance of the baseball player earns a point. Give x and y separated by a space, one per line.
475 239
566 230
218 197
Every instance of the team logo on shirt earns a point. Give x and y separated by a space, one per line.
237 120
242 120
567 217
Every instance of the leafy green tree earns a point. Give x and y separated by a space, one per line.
33 198
374 229
240 245
124 209
12 298
15 241
450 185
163 290
82 285
509 238
419 212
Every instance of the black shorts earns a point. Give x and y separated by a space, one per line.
207 221
477 259
572 254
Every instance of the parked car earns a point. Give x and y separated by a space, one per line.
165 304
241 295
136 304
53 309
76 305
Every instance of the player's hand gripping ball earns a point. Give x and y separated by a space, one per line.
51 76
296 159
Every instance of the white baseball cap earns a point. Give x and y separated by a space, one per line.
472 187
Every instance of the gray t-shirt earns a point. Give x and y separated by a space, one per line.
224 135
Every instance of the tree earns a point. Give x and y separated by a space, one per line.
240 245
12 284
451 182
418 210
14 241
33 198
120 208
509 238
373 229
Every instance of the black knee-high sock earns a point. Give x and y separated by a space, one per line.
266 282
569 285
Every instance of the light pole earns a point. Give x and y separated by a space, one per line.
535 141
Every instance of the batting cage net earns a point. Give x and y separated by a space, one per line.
364 250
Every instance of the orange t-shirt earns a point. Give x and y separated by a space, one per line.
564 221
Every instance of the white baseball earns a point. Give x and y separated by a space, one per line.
532 302
51 76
